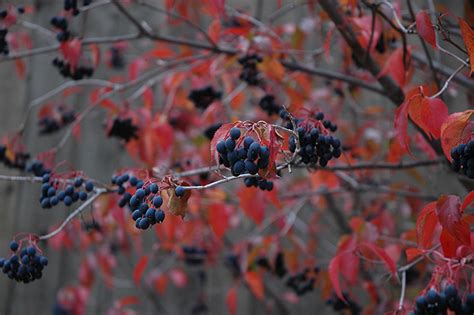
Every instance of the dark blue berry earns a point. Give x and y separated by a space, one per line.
157 201
221 147
78 182
159 215
54 201
133 180
83 195
45 203
154 188
144 223
31 251
136 214
68 201
14 246
179 191
235 133
89 186
248 141
140 193
51 192
238 168
150 214
43 261
69 190
230 144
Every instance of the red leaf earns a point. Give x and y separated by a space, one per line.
412 253
425 28
395 67
148 98
449 244
448 208
214 30
139 269
467 200
334 271
231 301
454 130
428 114
128 300
468 36
255 283
20 68
389 263
162 52
219 218
72 50
426 224
401 125
252 203
95 51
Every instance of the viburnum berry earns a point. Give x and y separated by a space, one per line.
463 159
179 191
250 73
26 266
316 143
204 97
242 156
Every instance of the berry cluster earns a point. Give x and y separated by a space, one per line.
316 145
267 104
71 6
439 303
53 123
204 97
345 307
302 282
61 24
26 266
250 73
37 168
463 159
51 195
244 156
194 255
116 58
145 203
259 182
18 161
123 129
77 73
3 42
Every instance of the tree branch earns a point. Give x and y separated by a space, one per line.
393 91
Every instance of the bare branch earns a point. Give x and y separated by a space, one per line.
98 193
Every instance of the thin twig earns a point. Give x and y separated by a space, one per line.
98 192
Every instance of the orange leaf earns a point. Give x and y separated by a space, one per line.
20 68
214 30
139 269
219 218
412 253
128 300
468 200
334 271
426 224
454 131
425 28
255 283
468 35
95 50
448 208
252 203
231 301
389 263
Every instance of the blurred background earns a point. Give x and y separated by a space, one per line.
99 157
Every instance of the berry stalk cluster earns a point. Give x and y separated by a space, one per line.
52 195
25 265
439 303
144 204
204 97
316 143
463 159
